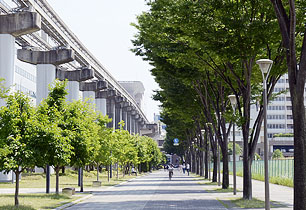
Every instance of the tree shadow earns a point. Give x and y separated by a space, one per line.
12 207
49 196
208 204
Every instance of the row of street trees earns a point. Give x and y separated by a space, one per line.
203 51
60 134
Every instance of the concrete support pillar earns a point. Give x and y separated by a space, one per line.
111 112
128 121
46 62
11 26
136 127
101 105
73 91
90 88
119 105
124 117
74 78
111 107
7 61
89 96
118 115
132 124
45 76
101 102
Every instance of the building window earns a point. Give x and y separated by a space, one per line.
275 117
289 117
160 143
288 98
25 90
279 98
289 107
276 126
290 126
25 74
276 107
277 90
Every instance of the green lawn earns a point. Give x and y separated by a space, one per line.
35 201
50 201
69 179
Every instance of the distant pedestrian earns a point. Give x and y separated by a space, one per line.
134 171
184 167
188 168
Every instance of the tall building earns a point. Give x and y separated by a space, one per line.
279 121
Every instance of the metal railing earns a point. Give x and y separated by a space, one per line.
283 168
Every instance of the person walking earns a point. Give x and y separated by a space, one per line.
170 169
187 168
184 168
134 171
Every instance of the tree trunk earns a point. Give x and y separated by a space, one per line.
110 171
298 110
201 163
197 163
247 178
118 171
193 162
225 175
206 165
63 169
97 171
215 170
57 169
17 173
206 157
82 184
108 175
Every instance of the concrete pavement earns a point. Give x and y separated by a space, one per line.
278 193
154 191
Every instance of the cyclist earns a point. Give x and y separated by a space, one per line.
170 169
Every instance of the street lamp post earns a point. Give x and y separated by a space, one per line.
265 67
203 154
208 150
234 103
218 154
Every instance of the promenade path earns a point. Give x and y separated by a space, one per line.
278 193
153 191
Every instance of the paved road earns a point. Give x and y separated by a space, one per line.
153 191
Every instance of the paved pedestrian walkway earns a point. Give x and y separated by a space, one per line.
278 193
154 191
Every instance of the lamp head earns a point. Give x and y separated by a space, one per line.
264 65
233 100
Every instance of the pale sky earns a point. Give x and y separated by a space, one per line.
103 26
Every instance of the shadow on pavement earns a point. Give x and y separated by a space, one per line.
163 184
142 192
147 205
